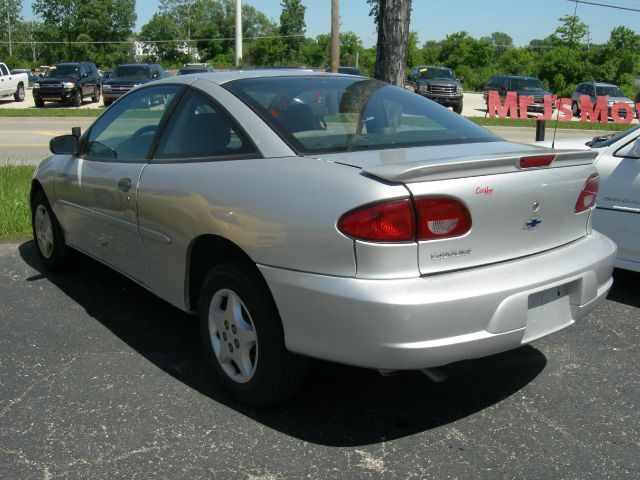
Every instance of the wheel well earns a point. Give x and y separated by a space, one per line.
35 188
206 252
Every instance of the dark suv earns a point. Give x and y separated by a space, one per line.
523 86
68 82
127 76
190 68
439 84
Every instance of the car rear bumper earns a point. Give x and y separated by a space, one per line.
434 320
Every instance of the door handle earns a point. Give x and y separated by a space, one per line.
124 184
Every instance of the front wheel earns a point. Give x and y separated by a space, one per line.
458 108
38 102
243 339
47 233
77 99
19 95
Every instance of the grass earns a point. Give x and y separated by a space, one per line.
516 122
50 112
15 218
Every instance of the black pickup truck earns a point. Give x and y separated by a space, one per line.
439 84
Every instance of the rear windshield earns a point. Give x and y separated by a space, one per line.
332 114
132 72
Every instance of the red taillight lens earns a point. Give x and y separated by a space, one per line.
382 222
537 161
587 198
441 218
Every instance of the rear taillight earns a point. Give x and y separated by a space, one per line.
396 221
441 218
587 198
382 222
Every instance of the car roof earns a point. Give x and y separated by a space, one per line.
136 64
224 77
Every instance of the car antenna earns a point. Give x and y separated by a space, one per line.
555 128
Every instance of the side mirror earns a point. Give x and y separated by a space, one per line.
461 80
64 145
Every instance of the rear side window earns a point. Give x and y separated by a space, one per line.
333 114
201 129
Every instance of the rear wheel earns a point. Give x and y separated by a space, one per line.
47 233
19 95
242 337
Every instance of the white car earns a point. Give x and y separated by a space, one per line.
617 212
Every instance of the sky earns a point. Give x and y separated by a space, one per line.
434 19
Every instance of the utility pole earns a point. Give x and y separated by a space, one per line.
335 35
238 55
9 27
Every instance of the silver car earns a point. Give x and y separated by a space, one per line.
593 90
328 216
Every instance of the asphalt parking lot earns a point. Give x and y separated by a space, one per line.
100 379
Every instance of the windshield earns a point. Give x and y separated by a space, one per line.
332 114
607 140
434 72
188 71
609 90
526 84
60 71
131 72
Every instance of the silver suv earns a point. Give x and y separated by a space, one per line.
598 89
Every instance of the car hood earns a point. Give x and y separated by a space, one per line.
620 99
58 79
439 83
124 81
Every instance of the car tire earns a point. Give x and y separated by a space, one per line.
77 99
38 102
243 339
19 95
96 95
458 108
47 234
107 102
575 109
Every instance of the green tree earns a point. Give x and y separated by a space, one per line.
161 29
11 17
517 62
292 27
500 41
460 49
572 30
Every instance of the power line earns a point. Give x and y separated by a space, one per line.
605 5
123 42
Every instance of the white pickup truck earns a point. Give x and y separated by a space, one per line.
12 83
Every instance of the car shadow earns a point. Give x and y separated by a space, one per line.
625 287
336 406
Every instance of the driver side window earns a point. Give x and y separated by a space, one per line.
126 131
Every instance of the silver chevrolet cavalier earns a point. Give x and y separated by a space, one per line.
314 215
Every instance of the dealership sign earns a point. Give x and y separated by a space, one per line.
516 106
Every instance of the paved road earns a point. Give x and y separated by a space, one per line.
101 380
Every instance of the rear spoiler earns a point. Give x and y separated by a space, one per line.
472 166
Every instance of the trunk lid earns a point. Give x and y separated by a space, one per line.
515 211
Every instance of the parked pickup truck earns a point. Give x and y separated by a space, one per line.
12 83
